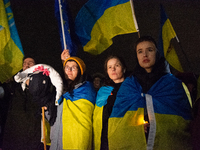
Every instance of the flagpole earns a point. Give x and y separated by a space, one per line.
62 25
134 18
43 128
183 53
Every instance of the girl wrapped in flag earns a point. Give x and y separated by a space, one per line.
73 126
115 70
152 109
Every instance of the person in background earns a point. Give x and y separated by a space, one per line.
4 104
23 124
195 124
115 69
190 81
98 80
152 109
73 126
195 130
45 85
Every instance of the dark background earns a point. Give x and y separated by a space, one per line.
39 33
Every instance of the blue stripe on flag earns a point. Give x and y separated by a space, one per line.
92 11
70 44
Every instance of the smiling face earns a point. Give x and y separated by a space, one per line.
115 70
146 55
71 70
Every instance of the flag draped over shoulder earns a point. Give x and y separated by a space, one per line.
64 27
168 110
101 100
99 21
167 33
11 52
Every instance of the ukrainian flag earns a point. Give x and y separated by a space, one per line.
77 113
100 20
101 101
169 114
167 33
11 52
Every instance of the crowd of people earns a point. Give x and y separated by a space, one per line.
149 108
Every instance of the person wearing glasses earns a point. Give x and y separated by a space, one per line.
73 126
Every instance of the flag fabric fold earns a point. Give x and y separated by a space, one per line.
167 33
171 110
11 52
101 100
99 21
64 29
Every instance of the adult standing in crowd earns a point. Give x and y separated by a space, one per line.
151 95
115 70
23 124
98 80
73 126
4 103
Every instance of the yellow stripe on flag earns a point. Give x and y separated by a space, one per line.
116 20
10 54
170 54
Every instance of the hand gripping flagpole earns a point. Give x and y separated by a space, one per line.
62 25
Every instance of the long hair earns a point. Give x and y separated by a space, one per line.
159 69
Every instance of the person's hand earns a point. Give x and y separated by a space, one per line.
27 82
146 125
65 54
45 108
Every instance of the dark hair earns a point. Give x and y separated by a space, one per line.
149 39
116 57
30 56
145 38
159 69
160 63
108 81
100 76
97 75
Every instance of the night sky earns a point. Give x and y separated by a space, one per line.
39 34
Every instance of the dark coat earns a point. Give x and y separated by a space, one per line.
23 125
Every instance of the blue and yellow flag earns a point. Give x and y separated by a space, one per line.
169 114
11 52
99 21
77 113
167 33
64 29
101 100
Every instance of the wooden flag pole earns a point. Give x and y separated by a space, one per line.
43 128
